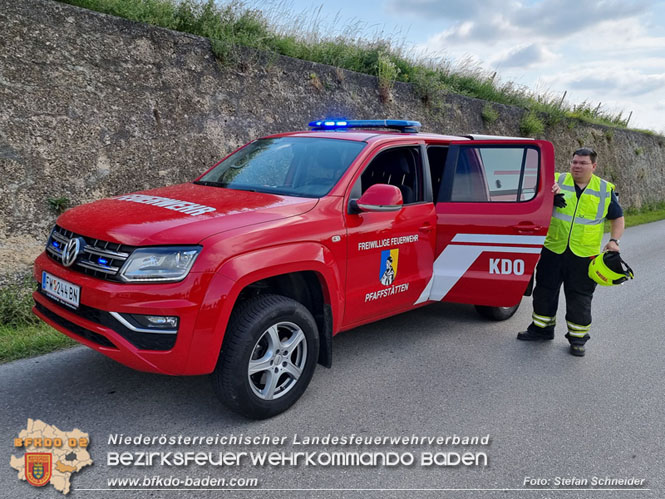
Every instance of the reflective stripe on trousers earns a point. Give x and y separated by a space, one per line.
543 321
576 330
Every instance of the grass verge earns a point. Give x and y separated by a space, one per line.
645 218
22 334
651 213
19 342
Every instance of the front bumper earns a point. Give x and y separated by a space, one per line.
93 325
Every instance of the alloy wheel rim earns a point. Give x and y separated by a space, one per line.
277 361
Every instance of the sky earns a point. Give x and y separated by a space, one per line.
607 52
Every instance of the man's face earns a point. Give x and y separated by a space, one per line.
581 168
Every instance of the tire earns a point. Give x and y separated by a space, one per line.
497 313
268 356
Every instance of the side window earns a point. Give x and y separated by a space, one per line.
401 167
469 182
494 174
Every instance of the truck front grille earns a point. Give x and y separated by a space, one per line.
101 259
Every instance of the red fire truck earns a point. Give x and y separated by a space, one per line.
249 271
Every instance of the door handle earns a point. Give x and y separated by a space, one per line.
527 228
426 228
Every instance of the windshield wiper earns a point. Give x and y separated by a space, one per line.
210 183
235 187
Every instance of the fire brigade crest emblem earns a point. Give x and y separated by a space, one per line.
389 260
38 468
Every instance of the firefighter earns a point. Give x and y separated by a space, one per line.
582 202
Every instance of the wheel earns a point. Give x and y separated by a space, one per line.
268 356
497 313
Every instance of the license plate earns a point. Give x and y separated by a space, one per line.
61 290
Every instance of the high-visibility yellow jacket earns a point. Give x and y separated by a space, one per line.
580 224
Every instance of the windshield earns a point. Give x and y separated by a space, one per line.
293 166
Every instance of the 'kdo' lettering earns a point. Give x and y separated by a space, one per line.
506 266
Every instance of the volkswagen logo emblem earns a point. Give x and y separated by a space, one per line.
72 250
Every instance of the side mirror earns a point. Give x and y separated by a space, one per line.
379 197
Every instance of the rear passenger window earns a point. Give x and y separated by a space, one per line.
493 174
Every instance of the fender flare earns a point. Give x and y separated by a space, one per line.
238 272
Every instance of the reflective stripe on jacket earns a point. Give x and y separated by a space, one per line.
580 224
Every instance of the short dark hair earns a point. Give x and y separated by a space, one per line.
586 151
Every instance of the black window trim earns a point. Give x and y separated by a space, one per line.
445 190
435 195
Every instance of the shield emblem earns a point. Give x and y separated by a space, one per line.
38 468
389 260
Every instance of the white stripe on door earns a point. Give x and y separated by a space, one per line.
498 238
455 260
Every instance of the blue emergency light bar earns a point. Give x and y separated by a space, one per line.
404 126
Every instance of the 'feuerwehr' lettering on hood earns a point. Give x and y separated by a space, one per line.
168 203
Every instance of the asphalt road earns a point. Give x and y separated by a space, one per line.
437 371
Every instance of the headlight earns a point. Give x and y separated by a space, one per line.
159 264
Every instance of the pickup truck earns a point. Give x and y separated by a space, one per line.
248 272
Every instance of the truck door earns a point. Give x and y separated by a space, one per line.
494 205
390 254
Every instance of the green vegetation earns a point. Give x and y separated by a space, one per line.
531 125
388 72
425 85
22 334
315 81
609 134
232 26
646 132
648 213
489 114
16 303
59 205
29 341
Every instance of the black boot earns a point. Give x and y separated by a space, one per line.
535 333
577 350
577 344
